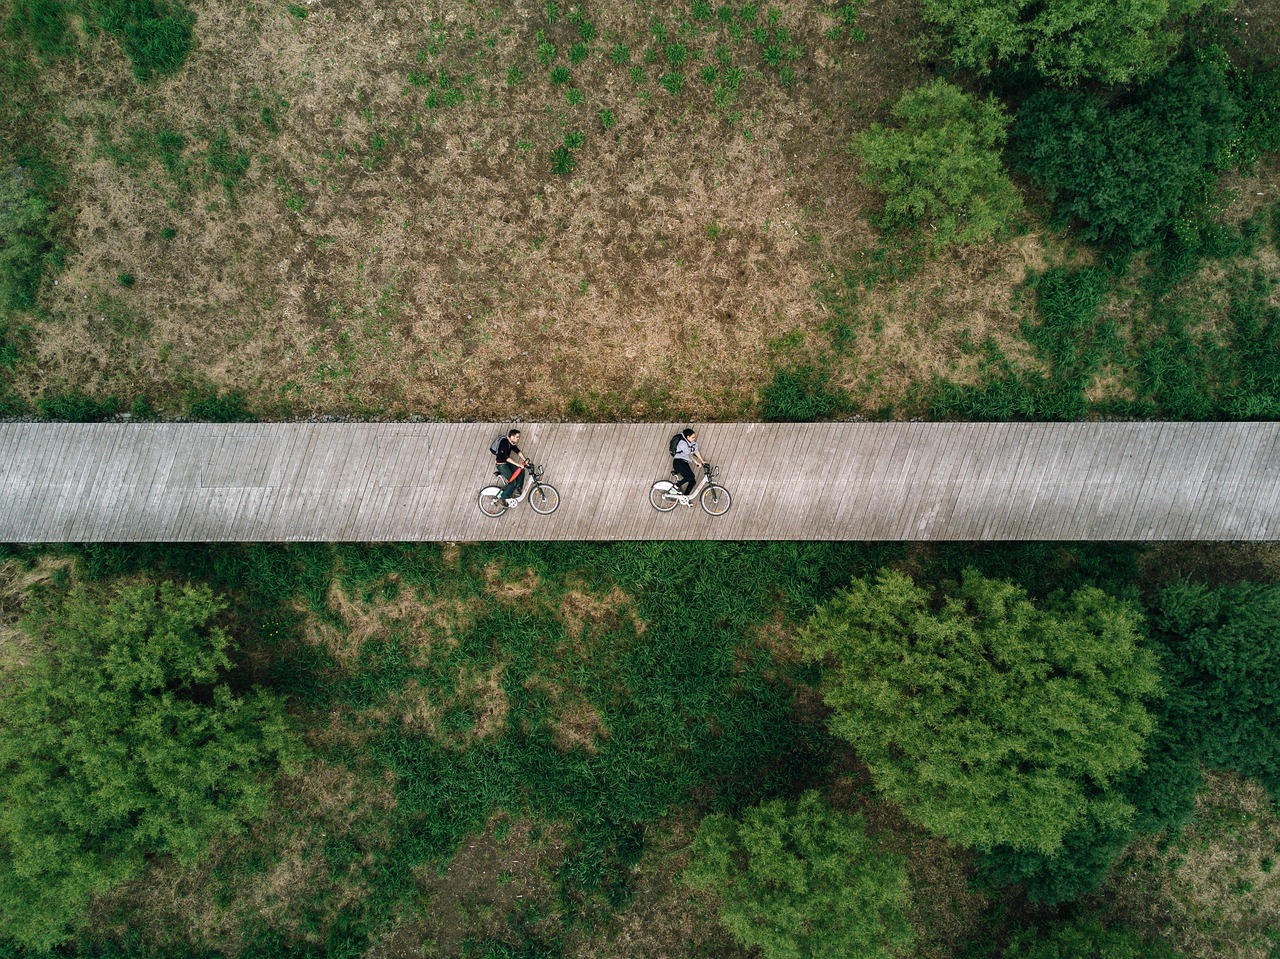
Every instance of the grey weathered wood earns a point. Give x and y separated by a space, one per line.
859 481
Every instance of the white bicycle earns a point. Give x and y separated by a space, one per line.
543 497
715 499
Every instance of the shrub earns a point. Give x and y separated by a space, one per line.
940 167
1123 169
157 45
26 242
77 407
1222 667
801 394
1066 41
210 406
1084 937
988 720
121 738
802 880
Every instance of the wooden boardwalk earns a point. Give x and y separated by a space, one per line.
849 481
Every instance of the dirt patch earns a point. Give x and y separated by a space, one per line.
508 586
580 611
474 709
422 624
499 882
1214 891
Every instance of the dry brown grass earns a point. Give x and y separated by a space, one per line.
654 278
1214 891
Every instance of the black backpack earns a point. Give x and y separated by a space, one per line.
675 442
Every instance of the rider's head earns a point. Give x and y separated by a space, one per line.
689 433
513 434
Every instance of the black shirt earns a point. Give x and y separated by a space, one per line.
505 449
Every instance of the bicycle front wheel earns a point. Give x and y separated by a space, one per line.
544 499
659 499
489 502
716 500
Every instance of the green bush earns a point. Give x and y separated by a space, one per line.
801 394
1066 41
1222 668
210 406
1125 167
802 881
1069 340
121 738
157 39
1084 937
988 720
940 167
1232 372
77 407
26 243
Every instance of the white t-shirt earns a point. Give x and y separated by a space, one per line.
686 449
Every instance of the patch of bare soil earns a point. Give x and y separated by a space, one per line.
500 881
398 244
1213 891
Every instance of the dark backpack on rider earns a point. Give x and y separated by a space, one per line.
674 443
493 447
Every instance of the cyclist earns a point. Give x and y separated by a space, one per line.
509 458
685 458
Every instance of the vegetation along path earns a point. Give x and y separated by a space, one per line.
848 481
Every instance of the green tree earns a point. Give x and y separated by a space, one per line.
988 720
1124 169
1084 937
122 738
802 881
1222 667
1066 41
939 166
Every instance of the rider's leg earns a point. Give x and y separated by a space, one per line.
686 481
506 469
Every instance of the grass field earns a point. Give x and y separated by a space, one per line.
350 208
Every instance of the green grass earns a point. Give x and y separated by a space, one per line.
157 39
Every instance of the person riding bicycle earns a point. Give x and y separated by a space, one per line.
685 458
509 458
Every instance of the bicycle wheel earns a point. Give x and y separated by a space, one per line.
544 499
489 503
716 500
658 497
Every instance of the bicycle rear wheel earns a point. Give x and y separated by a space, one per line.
658 497
544 498
489 502
716 500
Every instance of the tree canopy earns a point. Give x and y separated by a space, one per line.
803 881
1067 41
940 166
988 720
122 738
